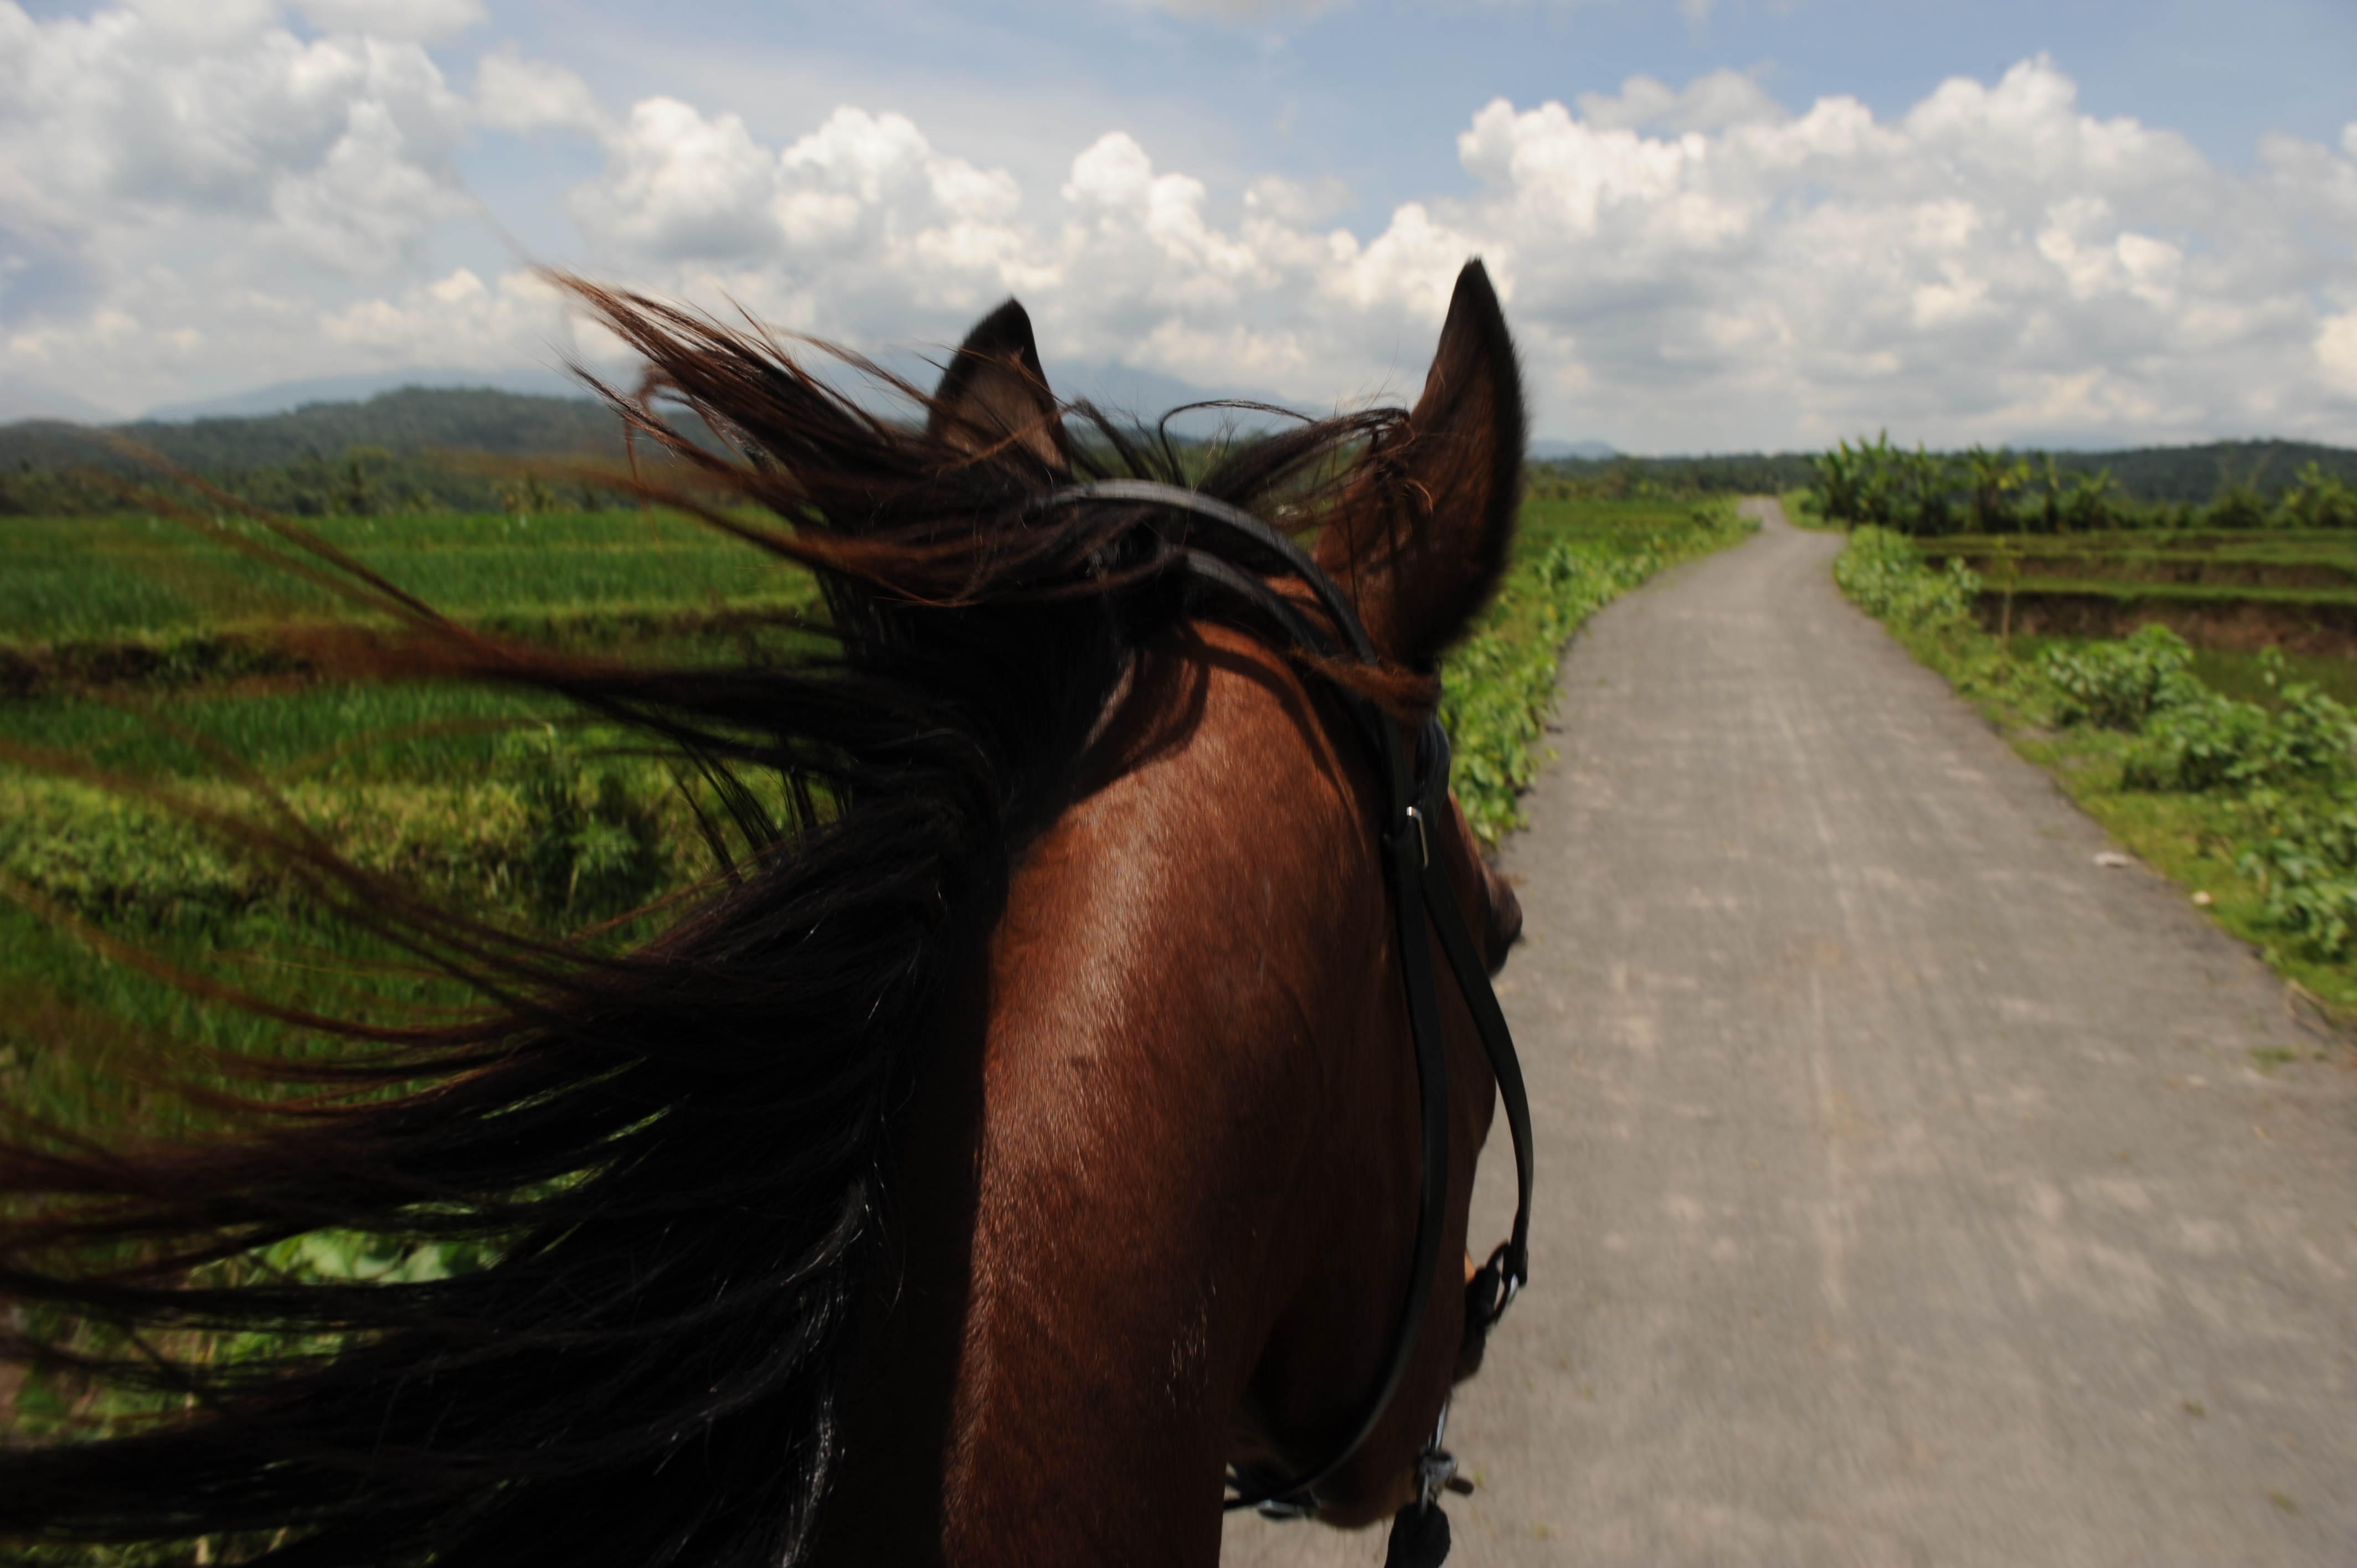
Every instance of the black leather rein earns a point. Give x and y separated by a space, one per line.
1414 801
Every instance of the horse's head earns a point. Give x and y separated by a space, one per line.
1023 1134
1195 1117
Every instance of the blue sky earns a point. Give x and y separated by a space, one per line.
2081 223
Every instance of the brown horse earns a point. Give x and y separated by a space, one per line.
1024 1138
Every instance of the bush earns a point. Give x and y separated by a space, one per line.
2200 744
2306 863
2238 507
2320 500
1882 573
2201 740
2117 685
1502 683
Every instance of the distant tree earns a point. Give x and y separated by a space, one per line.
2320 500
1991 479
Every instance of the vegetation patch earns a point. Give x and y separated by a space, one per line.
470 795
2249 801
2228 486
1573 557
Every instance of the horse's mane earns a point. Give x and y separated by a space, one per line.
673 1152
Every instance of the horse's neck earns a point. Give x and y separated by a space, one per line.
1120 1151
1026 1398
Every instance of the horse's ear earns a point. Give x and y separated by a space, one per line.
995 392
1420 540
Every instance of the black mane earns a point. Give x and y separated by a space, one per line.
672 1153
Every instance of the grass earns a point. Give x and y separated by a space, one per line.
2240 673
89 577
1572 557
341 731
2283 569
2296 588
1804 508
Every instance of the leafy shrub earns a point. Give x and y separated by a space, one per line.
2206 741
2320 500
2305 861
2117 685
1500 682
592 847
1882 573
2201 744
2238 506
558 836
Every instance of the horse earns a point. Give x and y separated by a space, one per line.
1023 1148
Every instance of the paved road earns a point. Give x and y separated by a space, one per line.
1914 1190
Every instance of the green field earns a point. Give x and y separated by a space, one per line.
85 578
2295 589
139 656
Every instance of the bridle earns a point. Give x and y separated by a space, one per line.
1413 797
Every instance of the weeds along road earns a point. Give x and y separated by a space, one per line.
1913 1190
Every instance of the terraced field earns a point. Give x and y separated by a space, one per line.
2296 590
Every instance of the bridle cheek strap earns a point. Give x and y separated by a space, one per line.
1415 800
1499 1281
1419 894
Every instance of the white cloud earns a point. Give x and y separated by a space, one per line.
1693 267
163 333
136 122
2336 353
1708 102
516 94
1275 196
409 21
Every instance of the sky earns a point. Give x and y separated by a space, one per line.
1717 225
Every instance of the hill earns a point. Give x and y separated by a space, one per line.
405 422
393 450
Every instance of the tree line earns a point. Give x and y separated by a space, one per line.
1980 492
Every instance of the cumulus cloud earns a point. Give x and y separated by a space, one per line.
337 149
1692 267
1993 264
1706 103
516 94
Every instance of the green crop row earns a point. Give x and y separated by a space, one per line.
80 578
2321 564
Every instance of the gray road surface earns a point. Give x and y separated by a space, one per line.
1913 1189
